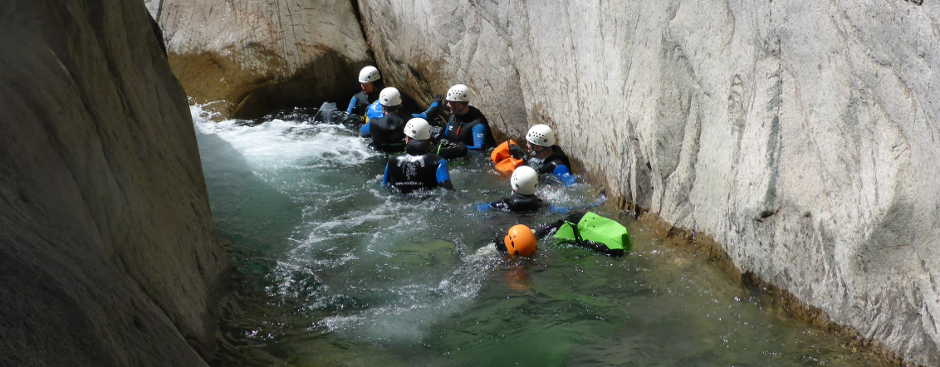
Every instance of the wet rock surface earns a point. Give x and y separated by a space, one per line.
800 135
260 56
107 252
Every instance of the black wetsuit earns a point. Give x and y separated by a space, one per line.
388 133
518 203
460 129
545 230
416 170
548 165
361 101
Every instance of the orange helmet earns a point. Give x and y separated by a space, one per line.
520 241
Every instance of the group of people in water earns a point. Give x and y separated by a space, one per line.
426 150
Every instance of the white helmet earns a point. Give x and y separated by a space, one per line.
418 129
369 74
458 93
390 97
524 180
541 135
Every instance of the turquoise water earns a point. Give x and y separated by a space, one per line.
340 272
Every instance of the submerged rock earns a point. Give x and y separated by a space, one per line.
260 56
107 252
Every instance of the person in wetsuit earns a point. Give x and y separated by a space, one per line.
523 199
387 131
370 83
467 126
583 229
544 156
417 169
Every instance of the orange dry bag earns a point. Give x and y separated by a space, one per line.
503 160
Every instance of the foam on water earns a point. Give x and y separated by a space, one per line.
278 144
360 267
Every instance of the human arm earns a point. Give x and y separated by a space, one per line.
563 174
385 175
443 175
365 130
352 105
501 205
479 137
433 107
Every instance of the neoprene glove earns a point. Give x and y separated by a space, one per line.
516 151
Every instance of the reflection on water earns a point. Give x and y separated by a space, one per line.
339 271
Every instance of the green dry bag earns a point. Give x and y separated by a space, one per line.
597 232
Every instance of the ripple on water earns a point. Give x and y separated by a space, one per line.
416 280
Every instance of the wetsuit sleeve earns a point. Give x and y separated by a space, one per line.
352 105
433 107
479 137
385 175
501 205
443 174
546 229
564 175
365 130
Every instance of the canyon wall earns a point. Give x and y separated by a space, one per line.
800 135
256 56
107 252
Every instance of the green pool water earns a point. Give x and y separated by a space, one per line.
337 271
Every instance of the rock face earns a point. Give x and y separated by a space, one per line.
107 256
262 55
801 135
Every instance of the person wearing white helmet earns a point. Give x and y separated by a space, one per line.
545 156
524 181
417 169
370 84
466 125
387 131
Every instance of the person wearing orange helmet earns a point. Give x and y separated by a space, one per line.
583 229
519 241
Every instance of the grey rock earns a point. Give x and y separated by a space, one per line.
107 252
801 135
257 56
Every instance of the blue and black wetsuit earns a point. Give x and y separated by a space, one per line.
417 169
360 102
373 111
516 202
388 133
471 129
556 163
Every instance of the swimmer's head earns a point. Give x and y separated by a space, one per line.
520 241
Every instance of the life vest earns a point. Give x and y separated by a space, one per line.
503 161
518 203
596 232
548 164
388 133
460 128
409 173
